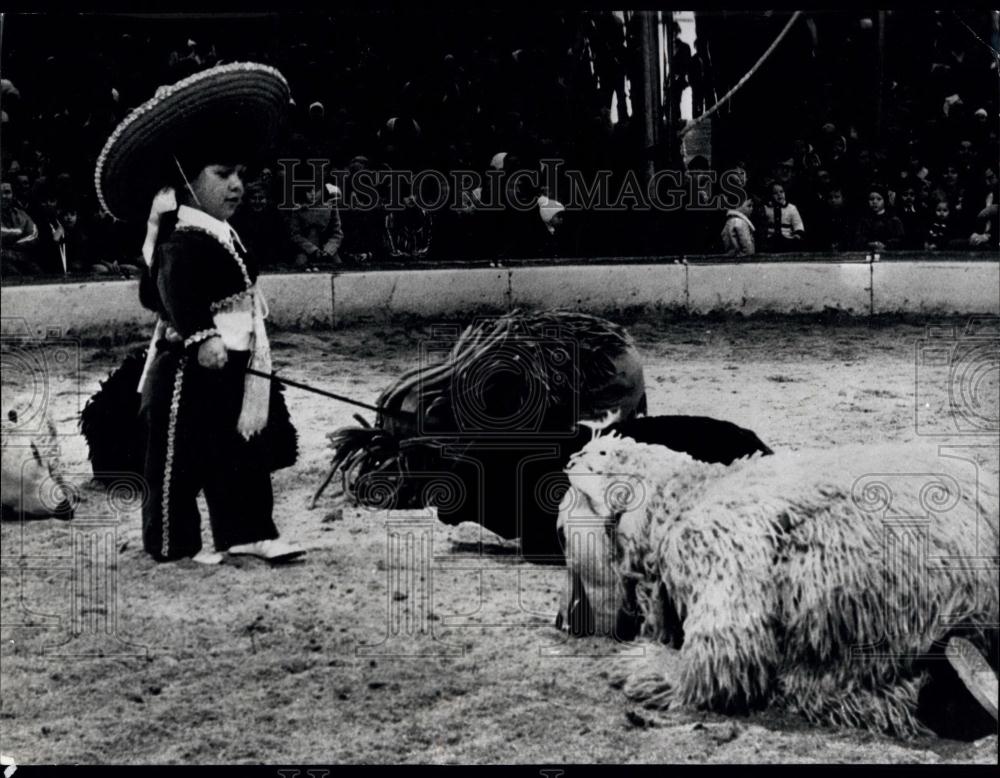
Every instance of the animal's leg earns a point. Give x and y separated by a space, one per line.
649 680
727 597
729 666
837 699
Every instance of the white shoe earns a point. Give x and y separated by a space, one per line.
204 557
276 550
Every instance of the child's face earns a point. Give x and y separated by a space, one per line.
876 202
257 199
219 190
835 199
941 210
909 197
951 175
68 218
23 184
778 195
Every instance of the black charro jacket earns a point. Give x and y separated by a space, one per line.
192 273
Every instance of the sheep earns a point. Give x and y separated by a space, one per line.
32 485
770 577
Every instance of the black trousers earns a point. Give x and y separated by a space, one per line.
190 414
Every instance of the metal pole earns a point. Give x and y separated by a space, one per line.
666 29
880 80
651 92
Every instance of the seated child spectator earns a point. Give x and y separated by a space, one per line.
50 253
941 229
987 231
833 227
315 230
22 191
878 230
363 226
985 194
554 239
951 188
914 223
813 202
737 233
785 230
262 228
408 231
78 257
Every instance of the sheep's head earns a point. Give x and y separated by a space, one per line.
619 490
32 483
605 486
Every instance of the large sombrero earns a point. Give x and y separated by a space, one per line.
239 108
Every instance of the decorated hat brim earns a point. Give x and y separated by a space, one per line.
245 103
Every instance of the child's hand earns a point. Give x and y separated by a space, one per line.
164 200
212 353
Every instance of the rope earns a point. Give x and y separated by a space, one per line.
993 51
332 395
746 77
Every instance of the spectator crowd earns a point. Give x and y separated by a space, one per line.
486 91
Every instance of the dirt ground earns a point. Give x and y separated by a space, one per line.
325 661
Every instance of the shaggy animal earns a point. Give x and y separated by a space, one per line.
110 422
785 580
493 423
702 438
113 429
32 482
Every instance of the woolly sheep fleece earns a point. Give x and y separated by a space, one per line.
32 484
775 568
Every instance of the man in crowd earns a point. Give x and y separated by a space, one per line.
19 236
315 230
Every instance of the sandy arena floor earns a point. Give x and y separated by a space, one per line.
248 663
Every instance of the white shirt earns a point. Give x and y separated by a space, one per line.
235 327
192 217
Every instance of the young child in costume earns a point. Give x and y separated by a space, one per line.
208 424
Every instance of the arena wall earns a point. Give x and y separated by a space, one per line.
935 287
951 286
787 287
387 293
599 287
